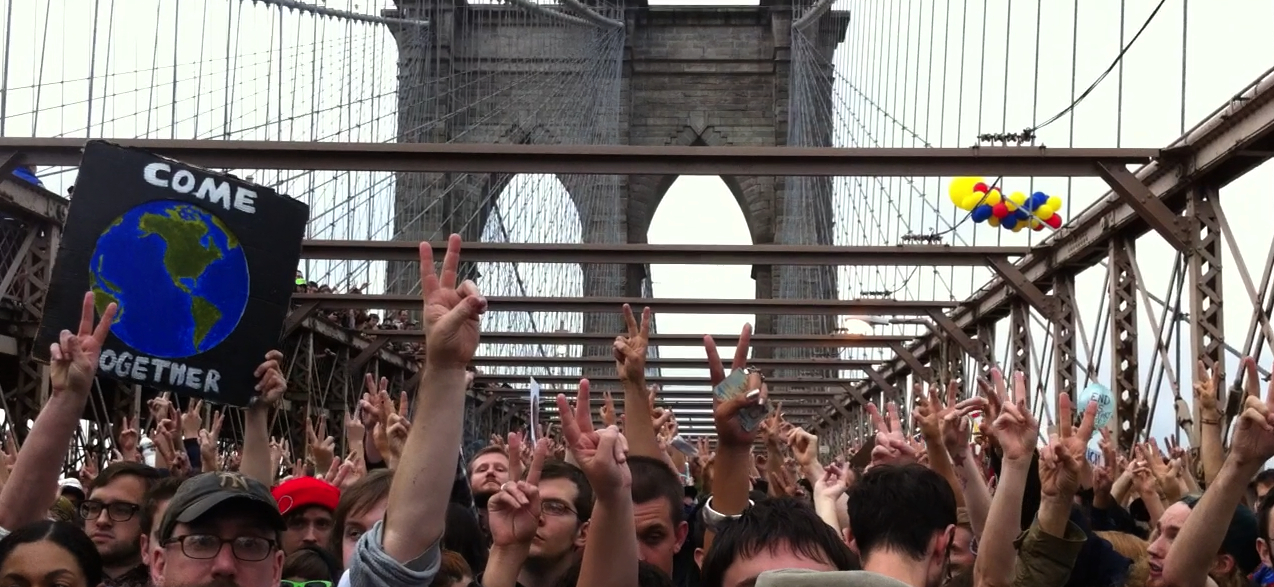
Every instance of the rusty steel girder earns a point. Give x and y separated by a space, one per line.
667 305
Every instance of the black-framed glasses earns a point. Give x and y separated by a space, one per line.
287 583
120 511
207 546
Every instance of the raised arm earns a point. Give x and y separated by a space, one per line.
32 486
421 488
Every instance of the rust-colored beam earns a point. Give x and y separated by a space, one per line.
1045 304
1139 197
479 252
773 383
843 341
669 363
658 305
601 160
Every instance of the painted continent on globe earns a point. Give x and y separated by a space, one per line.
178 274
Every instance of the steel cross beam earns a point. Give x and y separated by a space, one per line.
776 384
669 363
600 159
667 305
668 340
1234 139
479 252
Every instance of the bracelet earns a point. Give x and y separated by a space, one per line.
1216 422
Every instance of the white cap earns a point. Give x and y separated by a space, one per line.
72 483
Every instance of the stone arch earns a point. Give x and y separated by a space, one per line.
753 194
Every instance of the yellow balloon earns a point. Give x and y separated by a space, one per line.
1035 222
971 201
1054 202
960 188
1018 198
1019 227
993 221
993 198
1044 212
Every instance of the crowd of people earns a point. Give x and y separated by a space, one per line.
361 321
619 498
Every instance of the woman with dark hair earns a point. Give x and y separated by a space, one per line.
48 554
311 566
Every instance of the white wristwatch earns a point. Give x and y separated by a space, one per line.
712 519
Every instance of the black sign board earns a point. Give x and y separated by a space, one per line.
202 266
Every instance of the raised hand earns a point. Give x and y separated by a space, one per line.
322 446
630 350
128 439
577 423
73 359
1016 430
1062 462
1205 389
1253 440
891 445
451 312
833 484
804 446
270 382
513 514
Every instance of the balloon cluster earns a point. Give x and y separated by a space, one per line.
1014 212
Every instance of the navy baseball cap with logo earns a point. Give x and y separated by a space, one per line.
200 494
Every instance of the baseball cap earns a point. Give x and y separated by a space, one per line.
301 492
69 483
200 494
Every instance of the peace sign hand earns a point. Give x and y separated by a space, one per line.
73 359
1016 429
630 350
513 513
1062 462
451 312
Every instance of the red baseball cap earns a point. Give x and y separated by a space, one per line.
302 492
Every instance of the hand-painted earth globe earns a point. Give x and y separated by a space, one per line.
178 274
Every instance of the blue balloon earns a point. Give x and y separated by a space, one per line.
1022 214
1038 199
980 213
1009 222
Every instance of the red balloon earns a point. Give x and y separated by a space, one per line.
981 187
1054 221
1038 227
1000 210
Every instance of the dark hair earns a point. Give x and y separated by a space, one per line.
463 535
1265 477
769 525
66 536
452 568
555 469
312 563
654 479
900 508
146 473
648 575
355 500
1263 516
161 490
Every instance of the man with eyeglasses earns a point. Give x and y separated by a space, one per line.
219 529
111 520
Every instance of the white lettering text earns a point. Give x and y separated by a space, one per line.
192 377
139 368
183 181
177 374
215 192
210 189
160 365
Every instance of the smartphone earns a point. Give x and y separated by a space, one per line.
734 385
